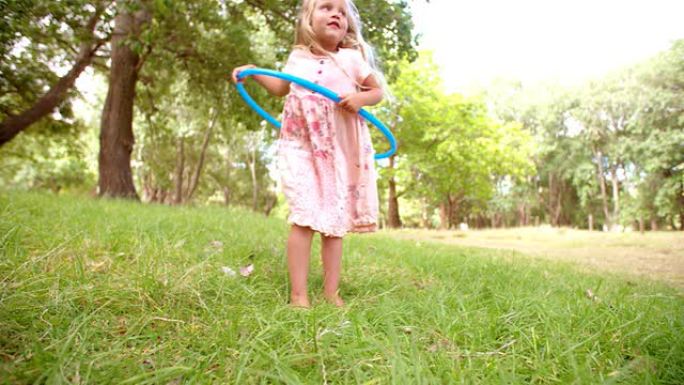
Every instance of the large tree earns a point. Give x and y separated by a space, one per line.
656 142
416 94
116 132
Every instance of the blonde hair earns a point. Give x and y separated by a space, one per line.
305 38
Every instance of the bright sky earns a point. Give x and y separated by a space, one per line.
476 41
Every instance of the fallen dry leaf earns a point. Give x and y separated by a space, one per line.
76 379
590 294
441 344
98 266
121 327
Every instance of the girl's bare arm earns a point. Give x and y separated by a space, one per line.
371 95
274 86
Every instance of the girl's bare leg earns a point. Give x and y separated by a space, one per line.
298 254
331 254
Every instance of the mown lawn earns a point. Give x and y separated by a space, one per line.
98 292
657 255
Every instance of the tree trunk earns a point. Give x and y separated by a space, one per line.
149 190
654 224
13 125
180 167
641 224
393 218
194 181
616 192
496 220
549 205
226 196
591 222
522 211
160 195
425 217
270 204
116 130
554 201
252 169
481 221
454 211
559 204
156 195
602 184
443 216
681 206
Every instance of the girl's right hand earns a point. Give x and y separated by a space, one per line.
239 69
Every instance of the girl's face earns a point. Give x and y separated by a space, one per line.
329 22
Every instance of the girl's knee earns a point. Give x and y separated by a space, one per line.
329 239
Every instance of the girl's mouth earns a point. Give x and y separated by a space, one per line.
334 24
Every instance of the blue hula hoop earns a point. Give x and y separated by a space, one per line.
313 87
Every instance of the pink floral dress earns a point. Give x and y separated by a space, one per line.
325 156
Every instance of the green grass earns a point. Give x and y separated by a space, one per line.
104 292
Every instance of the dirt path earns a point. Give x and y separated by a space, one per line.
658 255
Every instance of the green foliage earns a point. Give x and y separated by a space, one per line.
193 47
188 51
38 44
656 143
56 162
627 124
38 40
387 25
450 149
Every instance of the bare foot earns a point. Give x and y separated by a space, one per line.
300 302
334 299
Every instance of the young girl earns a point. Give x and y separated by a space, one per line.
325 156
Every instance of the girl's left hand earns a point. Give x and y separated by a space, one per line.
351 103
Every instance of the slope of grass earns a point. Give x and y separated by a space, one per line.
104 292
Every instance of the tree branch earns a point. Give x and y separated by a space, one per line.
200 163
13 125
